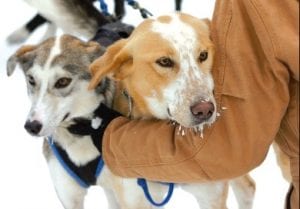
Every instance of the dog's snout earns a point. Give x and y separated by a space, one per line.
203 110
33 127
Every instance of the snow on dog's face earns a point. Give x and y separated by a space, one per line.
165 66
57 78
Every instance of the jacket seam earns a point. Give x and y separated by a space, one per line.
256 6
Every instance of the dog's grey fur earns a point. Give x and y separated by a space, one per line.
56 109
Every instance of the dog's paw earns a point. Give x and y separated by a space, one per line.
18 36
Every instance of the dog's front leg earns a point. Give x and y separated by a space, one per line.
244 190
209 195
131 196
70 193
126 192
111 199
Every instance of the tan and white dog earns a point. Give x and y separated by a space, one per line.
165 68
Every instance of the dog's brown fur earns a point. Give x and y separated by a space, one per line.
131 62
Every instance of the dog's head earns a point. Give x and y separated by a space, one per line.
57 78
166 67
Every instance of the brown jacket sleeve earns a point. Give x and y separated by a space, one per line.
257 50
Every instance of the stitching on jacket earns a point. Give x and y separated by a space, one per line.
258 11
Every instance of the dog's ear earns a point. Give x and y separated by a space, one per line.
112 63
22 56
94 50
207 22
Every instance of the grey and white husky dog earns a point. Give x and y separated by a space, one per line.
57 78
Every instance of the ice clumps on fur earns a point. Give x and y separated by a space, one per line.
182 130
197 129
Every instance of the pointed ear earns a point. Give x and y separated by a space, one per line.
207 22
94 50
110 64
22 56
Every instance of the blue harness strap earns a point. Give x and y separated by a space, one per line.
143 183
134 4
99 167
100 164
104 7
67 168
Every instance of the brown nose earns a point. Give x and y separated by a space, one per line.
202 110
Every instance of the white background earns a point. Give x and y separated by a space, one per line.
24 179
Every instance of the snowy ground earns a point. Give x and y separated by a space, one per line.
24 179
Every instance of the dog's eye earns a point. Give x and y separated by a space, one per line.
203 56
31 80
62 82
165 62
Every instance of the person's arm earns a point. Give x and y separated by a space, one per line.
251 82
156 150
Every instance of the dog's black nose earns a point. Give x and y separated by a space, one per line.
33 127
202 110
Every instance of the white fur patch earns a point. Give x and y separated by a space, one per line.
56 50
80 150
191 84
183 40
183 43
96 122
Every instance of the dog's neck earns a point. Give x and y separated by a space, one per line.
125 104
78 136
